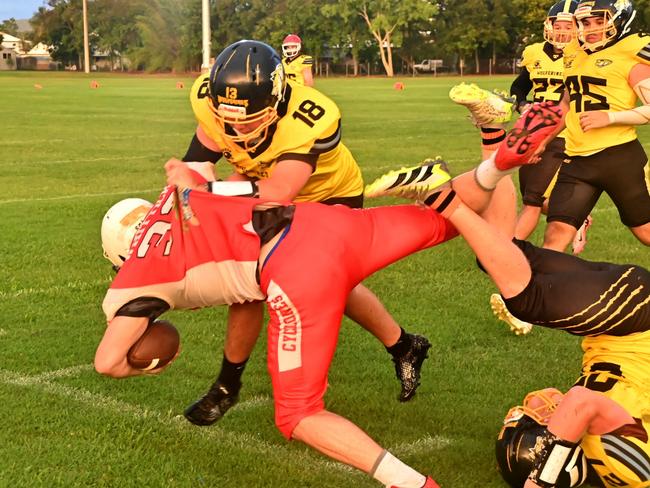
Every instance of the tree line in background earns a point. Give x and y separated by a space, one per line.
165 35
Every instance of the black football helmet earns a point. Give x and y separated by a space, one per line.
563 10
247 84
618 15
516 451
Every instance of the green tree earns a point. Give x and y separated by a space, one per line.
386 19
115 27
169 33
9 26
347 30
59 25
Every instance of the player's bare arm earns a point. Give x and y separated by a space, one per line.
121 333
288 178
206 140
582 411
308 76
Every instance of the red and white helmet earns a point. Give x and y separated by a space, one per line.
291 46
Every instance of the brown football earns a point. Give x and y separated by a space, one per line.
156 347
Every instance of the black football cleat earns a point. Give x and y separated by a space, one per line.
213 405
409 364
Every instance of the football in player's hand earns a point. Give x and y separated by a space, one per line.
156 347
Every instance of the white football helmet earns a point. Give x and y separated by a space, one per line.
119 226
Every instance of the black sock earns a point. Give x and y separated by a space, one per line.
402 345
230 374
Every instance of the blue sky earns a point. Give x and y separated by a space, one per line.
19 9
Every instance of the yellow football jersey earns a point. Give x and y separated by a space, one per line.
599 81
293 68
619 367
309 125
546 72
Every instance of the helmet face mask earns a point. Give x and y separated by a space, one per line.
119 226
559 26
602 23
291 46
247 84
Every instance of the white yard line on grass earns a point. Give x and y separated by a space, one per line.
244 442
62 373
81 195
423 445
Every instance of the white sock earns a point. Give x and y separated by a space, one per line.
390 471
487 175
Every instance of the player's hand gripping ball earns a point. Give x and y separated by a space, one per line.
156 348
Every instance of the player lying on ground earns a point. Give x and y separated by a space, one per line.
308 257
599 429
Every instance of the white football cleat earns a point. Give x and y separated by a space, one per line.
519 327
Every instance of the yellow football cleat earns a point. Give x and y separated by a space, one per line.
519 327
485 107
415 183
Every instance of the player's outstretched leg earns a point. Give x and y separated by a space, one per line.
485 107
408 364
212 406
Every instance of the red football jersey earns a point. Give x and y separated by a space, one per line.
210 260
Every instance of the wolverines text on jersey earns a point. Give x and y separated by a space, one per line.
545 68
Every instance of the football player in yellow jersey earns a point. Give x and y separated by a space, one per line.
542 72
605 72
284 142
297 67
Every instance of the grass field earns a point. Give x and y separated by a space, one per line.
69 153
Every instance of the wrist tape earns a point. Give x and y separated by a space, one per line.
554 455
234 188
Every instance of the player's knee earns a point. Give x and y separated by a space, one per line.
287 418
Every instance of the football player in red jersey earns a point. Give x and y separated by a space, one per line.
308 257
